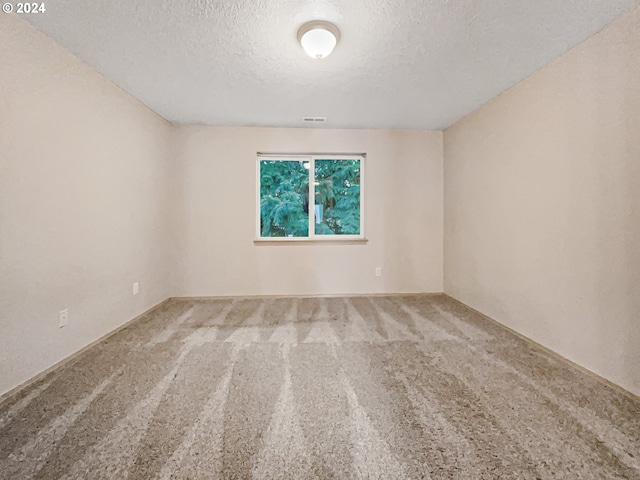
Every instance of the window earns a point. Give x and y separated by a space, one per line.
287 183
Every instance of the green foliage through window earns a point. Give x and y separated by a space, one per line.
284 198
285 191
337 191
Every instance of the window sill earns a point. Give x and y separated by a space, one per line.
307 241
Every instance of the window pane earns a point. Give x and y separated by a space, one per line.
337 202
284 198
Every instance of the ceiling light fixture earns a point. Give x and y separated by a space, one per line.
318 38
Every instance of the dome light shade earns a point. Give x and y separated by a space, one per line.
318 38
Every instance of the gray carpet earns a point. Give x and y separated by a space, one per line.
381 387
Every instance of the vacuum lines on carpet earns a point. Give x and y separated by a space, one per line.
363 387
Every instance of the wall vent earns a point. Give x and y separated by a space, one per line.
314 119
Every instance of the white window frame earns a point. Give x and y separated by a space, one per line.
311 158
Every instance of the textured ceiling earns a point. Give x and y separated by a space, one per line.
399 64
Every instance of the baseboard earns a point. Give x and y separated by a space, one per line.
15 390
313 295
569 363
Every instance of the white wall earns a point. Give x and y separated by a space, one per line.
542 205
403 215
85 184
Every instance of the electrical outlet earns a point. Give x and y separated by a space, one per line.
136 288
63 317
378 271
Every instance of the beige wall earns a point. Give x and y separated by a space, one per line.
542 205
403 215
84 201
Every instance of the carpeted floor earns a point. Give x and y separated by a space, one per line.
379 387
